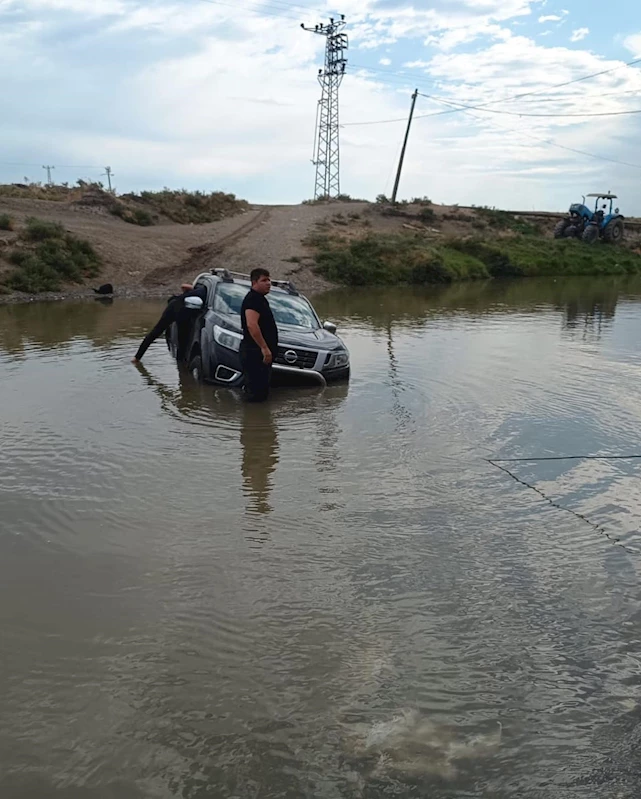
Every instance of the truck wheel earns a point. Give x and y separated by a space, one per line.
560 228
196 368
613 232
590 234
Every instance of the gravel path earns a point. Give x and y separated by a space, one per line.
146 261
274 241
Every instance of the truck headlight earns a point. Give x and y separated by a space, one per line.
227 338
338 359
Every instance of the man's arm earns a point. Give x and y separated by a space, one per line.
252 318
163 323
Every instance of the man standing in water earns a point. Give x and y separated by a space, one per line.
260 340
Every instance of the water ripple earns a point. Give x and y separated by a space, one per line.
333 594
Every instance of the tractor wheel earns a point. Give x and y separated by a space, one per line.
560 228
613 232
590 234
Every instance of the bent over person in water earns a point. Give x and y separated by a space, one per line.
260 339
172 313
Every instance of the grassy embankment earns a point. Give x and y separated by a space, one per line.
45 257
182 207
144 209
498 245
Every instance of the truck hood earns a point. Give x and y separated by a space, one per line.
320 339
289 336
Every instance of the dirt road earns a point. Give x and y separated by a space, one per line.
150 260
154 260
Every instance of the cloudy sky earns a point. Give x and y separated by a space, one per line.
217 94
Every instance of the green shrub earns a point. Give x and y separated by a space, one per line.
50 257
186 207
134 216
426 215
39 230
143 218
6 222
33 277
503 220
377 259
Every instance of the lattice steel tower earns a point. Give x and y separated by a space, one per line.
327 146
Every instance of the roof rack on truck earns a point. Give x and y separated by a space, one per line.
228 276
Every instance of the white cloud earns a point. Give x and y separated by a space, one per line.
202 96
579 34
633 44
96 8
440 25
550 18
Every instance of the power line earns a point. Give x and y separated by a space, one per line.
551 143
508 130
524 114
59 166
504 99
401 119
273 9
256 9
595 95
410 80
528 93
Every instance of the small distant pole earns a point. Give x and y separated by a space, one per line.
407 135
109 175
49 168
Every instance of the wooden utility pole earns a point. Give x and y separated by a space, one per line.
108 173
407 135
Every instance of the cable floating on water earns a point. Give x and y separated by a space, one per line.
565 458
601 530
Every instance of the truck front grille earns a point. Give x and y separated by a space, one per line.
305 359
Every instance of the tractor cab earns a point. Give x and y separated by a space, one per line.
603 208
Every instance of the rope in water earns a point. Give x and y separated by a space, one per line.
617 541
566 458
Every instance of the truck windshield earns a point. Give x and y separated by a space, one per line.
287 309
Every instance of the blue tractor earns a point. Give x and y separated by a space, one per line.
582 223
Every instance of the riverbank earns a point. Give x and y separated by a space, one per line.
316 245
415 259
421 244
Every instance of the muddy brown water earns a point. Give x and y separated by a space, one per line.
333 595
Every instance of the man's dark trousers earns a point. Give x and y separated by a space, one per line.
257 374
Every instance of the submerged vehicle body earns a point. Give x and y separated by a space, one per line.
308 350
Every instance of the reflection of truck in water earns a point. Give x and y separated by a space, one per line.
582 223
308 350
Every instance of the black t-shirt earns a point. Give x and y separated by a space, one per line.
254 301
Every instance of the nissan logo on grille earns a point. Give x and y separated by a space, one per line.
291 356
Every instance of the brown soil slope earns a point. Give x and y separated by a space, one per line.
151 260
